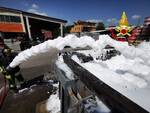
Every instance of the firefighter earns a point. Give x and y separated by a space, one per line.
6 56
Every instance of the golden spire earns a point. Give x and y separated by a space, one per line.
123 21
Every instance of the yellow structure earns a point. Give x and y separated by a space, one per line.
123 21
83 26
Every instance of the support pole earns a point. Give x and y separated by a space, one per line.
61 29
28 27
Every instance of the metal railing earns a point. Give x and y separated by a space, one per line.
74 93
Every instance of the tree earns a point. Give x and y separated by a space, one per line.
67 28
100 26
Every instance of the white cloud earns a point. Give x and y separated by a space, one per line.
94 20
36 12
109 20
135 17
35 6
112 20
35 9
32 10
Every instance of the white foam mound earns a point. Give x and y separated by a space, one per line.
133 65
48 46
134 60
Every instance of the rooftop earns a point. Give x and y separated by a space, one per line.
32 14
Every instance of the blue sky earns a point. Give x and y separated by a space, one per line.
108 11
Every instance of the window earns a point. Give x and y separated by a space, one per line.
6 18
16 19
2 18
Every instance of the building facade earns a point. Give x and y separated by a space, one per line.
147 21
83 26
146 27
11 21
15 23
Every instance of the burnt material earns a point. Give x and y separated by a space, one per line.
115 101
83 57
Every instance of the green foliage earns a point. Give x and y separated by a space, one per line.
67 28
100 26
